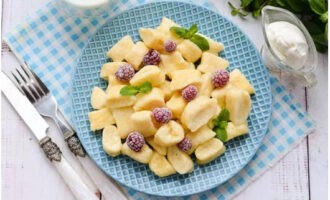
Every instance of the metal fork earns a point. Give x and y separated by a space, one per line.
46 105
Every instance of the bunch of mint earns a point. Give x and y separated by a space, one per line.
313 13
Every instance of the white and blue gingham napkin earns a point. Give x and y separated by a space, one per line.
50 42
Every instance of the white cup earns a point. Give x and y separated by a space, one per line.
86 8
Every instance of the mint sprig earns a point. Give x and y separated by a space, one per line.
191 35
220 125
131 90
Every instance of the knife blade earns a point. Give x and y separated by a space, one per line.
39 127
24 108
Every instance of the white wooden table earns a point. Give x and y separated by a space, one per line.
301 175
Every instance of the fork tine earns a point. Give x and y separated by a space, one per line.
29 85
36 86
42 85
22 88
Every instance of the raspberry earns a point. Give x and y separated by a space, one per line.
151 58
135 141
185 144
220 78
189 93
170 45
125 72
162 115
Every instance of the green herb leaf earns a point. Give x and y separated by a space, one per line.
281 3
192 30
324 17
201 42
237 11
221 134
145 87
326 31
320 38
179 31
296 5
129 90
245 3
318 6
224 115
223 124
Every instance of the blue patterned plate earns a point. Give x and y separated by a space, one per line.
241 54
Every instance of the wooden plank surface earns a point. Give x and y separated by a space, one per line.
301 175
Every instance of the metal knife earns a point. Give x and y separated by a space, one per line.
39 128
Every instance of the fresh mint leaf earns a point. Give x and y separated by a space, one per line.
318 6
223 124
192 30
221 134
145 87
224 115
201 42
296 5
326 31
245 3
234 10
324 17
179 31
320 38
129 90
281 3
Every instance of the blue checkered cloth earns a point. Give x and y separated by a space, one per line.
50 42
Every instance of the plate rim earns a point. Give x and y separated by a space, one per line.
260 138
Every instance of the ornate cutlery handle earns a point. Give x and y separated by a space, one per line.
69 175
70 137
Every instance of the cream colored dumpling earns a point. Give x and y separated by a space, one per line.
236 130
142 156
160 149
198 112
237 79
152 38
112 81
238 103
149 101
116 100
160 165
199 137
169 134
122 116
165 87
98 98
209 151
172 62
111 141
189 50
165 26
206 86
100 118
149 73
211 63
119 50
220 95
136 54
183 78
142 122
110 68
176 104
181 162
